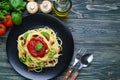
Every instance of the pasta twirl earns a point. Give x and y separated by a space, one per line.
39 48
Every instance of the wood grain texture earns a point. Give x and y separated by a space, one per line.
97 30
68 73
105 9
102 39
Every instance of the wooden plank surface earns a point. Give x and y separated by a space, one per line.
96 29
96 9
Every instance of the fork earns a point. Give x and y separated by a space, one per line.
77 59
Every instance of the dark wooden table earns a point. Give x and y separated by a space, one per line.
95 25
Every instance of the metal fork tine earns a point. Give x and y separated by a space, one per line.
84 51
81 52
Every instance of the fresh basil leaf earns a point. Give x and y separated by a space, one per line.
46 35
17 18
15 3
21 7
23 4
39 64
22 59
51 54
29 59
38 47
25 35
3 13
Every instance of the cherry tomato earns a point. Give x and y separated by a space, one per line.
8 21
2 29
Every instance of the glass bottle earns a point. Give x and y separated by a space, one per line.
62 7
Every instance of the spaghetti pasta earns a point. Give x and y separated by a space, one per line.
39 48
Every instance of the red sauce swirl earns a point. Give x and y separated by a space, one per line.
31 47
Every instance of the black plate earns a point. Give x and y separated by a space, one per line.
34 22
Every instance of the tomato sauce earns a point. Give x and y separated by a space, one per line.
31 47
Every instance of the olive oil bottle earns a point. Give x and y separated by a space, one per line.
62 7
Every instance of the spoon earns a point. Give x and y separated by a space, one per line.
85 62
77 59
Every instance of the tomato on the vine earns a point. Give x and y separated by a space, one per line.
2 29
7 21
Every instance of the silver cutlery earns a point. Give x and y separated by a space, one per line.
77 59
85 62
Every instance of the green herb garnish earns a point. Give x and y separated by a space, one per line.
18 6
22 43
38 47
39 64
22 59
46 35
51 54
29 59
26 35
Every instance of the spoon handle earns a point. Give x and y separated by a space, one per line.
75 75
68 73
